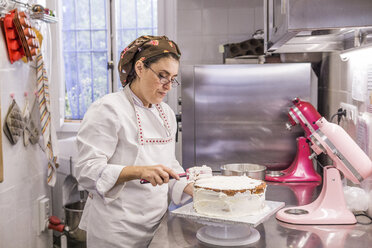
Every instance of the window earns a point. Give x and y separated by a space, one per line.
142 21
89 45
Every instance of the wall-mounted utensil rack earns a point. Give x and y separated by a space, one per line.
43 17
34 15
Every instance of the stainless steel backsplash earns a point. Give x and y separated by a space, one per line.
237 113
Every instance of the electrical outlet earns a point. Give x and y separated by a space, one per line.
351 111
44 212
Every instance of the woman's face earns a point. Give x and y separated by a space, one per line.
147 86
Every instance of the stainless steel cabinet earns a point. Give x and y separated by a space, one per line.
314 25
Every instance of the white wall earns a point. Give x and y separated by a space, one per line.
338 85
24 167
203 25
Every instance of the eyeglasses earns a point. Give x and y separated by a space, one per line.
164 80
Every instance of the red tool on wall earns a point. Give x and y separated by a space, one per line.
14 43
19 36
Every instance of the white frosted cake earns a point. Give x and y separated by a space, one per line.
229 196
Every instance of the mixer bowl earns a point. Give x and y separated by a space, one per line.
274 173
251 170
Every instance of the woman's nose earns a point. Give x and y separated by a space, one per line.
168 85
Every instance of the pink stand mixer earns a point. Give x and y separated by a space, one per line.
302 168
329 138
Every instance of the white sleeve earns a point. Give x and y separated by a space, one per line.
176 187
96 140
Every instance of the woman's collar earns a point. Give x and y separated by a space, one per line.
138 101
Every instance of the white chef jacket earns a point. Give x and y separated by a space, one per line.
117 132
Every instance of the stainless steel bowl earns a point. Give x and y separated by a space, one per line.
251 170
73 213
274 173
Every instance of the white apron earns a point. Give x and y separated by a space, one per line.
131 219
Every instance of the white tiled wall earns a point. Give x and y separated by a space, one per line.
203 25
338 87
24 167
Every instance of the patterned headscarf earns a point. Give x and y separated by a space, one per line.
143 48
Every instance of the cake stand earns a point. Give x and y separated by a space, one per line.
228 231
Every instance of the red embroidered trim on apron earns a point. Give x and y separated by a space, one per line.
141 137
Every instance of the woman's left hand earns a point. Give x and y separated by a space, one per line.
189 189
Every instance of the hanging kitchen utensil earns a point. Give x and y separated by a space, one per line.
30 130
13 41
37 8
24 31
13 126
34 132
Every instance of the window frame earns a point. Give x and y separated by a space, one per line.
92 52
167 12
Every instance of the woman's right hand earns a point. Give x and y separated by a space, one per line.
157 174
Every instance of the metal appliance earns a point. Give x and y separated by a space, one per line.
236 113
348 158
304 26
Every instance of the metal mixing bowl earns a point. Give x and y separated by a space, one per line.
251 170
274 173
73 213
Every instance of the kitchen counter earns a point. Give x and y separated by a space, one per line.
176 232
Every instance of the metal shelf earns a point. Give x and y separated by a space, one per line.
44 17
35 15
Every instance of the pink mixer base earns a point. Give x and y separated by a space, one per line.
293 177
301 169
329 208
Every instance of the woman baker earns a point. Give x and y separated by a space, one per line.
127 136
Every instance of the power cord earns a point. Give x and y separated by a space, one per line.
340 112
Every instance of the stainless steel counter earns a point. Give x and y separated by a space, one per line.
176 232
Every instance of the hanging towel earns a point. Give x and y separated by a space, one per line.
47 129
